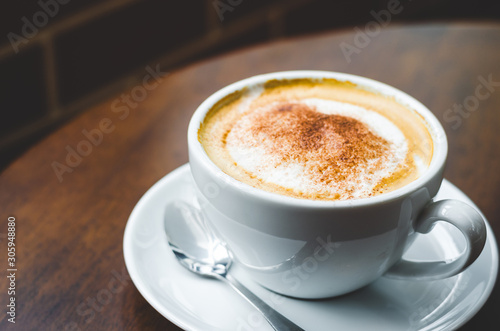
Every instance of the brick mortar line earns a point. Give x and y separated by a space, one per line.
212 19
51 78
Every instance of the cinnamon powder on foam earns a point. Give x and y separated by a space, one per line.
330 149
289 147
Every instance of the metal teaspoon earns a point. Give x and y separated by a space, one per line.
198 249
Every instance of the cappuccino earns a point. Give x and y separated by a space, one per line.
319 139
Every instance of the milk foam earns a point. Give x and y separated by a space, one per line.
252 93
254 152
316 139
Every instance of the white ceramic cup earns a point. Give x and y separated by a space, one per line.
316 249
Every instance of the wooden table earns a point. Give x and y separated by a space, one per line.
71 210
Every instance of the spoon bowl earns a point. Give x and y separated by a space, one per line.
192 242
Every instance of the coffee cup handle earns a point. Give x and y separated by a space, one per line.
463 217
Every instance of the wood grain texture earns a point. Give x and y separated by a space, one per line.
70 233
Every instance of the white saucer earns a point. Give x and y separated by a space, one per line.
197 303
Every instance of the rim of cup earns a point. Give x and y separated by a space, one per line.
440 145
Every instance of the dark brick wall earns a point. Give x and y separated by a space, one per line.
59 57
93 55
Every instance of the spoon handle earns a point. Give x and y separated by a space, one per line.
275 319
